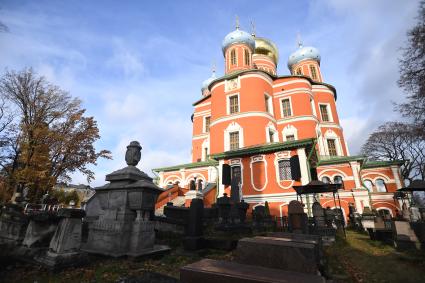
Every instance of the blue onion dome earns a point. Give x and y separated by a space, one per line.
207 82
266 47
303 53
238 36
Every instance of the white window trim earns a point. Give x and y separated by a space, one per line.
328 107
233 127
269 103
204 128
205 145
289 130
281 107
228 103
272 128
238 162
332 135
284 155
255 159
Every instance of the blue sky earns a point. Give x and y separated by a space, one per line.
138 65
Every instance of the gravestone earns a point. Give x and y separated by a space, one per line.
64 248
193 239
13 224
297 219
318 215
121 216
40 230
280 253
213 271
224 206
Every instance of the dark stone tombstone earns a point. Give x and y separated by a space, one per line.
329 217
234 190
223 205
242 208
297 219
318 215
194 228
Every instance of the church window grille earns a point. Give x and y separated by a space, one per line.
332 147
207 124
286 108
299 72
324 112
233 57
313 72
234 140
284 170
326 180
290 138
234 104
246 57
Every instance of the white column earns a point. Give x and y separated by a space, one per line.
183 174
161 179
395 170
220 176
356 173
303 166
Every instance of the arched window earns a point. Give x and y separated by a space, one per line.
299 71
380 186
313 72
338 180
326 180
368 184
246 56
233 57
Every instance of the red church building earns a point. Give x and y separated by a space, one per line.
275 132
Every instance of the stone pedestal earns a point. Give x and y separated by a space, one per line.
40 230
13 225
121 217
64 248
405 236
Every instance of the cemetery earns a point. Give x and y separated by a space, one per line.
118 227
266 191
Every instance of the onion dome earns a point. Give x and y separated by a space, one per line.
207 82
238 36
264 46
304 53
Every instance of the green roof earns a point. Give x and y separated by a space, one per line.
187 166
329 160
272 147
237 73
375 164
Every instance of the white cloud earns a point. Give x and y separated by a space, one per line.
125 60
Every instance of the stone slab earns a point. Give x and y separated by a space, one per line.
213 271
278 253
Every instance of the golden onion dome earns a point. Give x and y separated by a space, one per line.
264 46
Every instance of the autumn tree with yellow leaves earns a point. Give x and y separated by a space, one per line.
48 138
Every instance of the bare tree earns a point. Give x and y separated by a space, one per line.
412 71
399 141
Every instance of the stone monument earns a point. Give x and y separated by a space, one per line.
120 214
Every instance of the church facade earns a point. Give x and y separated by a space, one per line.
274 132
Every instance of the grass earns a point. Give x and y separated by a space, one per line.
358 259
101 269
354 259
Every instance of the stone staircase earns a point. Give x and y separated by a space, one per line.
178 201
